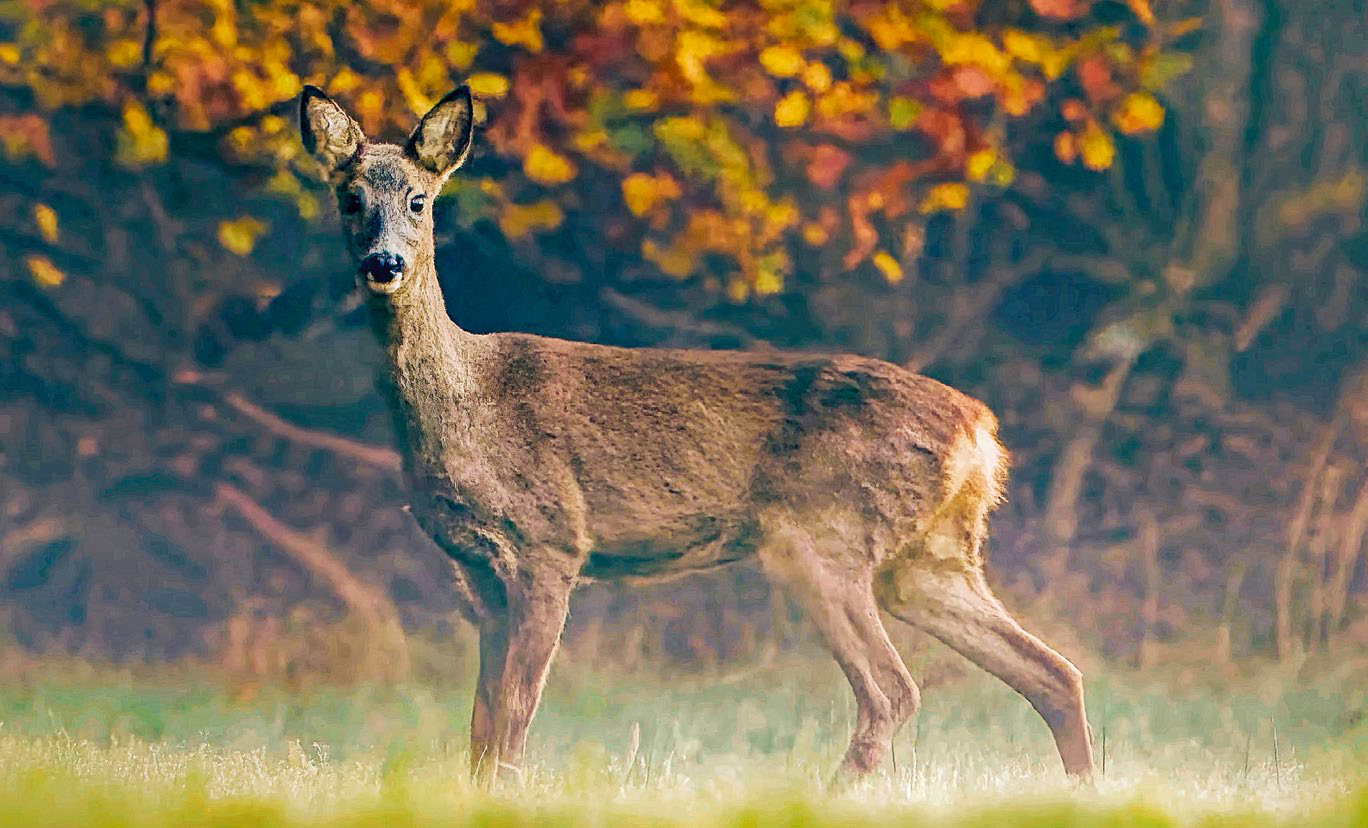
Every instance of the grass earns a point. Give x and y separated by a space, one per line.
106 750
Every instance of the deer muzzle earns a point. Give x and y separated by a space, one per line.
383 271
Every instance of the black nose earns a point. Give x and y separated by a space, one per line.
382 267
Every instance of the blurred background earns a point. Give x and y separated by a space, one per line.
1135 229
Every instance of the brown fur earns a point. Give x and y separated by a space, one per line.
537 464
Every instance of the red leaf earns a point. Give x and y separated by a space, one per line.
825 165
961 83
1095 74
1061 9
945 128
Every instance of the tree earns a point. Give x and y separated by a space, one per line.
1141 277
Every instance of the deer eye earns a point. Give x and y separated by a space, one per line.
352 203
417 203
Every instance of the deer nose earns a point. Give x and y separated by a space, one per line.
382 267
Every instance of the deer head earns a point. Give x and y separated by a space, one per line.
385 191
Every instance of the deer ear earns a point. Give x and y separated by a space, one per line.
329 134
442 140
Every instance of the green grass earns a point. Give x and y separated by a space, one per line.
750 751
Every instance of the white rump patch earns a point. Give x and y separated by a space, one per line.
976 457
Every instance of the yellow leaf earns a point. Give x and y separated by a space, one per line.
792 110
488 84
817 77
1139 112
160 83
9 53
782 61
891 28
977 165
44 272
640 99
590 140
1096 149
461 54
46 219
950 195
644 12
124 53
518 220
642 192
240 235
700 13
672 260
526 32
417 100
545 166
692 51
307 206
1024 46
140 141
815 234
767 281
780 216
903 112
1002 173
889 267
975 49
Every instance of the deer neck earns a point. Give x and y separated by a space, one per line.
430 370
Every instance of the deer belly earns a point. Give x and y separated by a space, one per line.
707 543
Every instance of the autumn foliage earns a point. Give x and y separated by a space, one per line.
741 133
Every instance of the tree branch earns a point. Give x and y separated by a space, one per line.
377 456
367 601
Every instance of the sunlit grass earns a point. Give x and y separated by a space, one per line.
743 752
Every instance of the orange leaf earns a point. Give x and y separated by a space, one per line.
642 191
46 219
1142 10
44 272
1065 147
950 195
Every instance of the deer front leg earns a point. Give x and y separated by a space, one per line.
484 603
484 748
511 686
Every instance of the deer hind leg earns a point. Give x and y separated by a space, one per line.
840 603
957 607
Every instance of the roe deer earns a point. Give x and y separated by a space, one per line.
537 464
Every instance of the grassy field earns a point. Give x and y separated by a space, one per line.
107 749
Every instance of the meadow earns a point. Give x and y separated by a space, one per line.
178 746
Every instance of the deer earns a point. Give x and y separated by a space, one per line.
539 464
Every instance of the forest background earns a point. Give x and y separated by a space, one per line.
1135 229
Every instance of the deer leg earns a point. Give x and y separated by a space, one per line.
537 607
483 602
484 747
841 605
959 609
